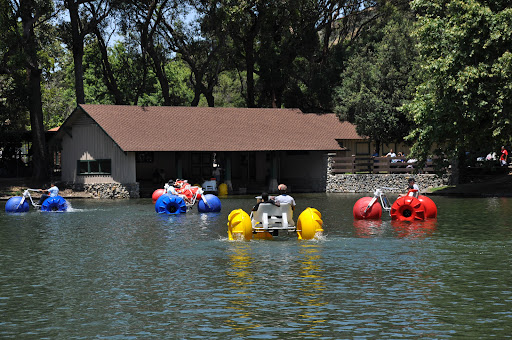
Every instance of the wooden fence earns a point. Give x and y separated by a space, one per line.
378 165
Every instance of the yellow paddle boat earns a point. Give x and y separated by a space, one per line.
268 220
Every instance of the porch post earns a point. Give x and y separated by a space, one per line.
272 186
227 174
179 166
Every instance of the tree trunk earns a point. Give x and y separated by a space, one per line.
40 154
108 74
249 66
78 50
197 95
159 71
210 99
35 106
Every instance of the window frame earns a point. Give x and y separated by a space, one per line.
94 163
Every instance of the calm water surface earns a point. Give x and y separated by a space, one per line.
117 270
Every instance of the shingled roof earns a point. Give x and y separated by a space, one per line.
166 128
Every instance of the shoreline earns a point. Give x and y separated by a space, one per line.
497 186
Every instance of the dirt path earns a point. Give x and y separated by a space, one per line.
15 186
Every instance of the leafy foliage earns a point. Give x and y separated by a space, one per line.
445 87
464 99
377 80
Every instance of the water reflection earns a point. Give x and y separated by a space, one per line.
311 287
368 228
415 229
117 270
400 229
241 285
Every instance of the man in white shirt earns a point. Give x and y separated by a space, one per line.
284 197
413 185
52 192
391 153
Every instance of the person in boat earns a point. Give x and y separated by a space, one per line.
169 188
413 185
53 191
264 199
284 197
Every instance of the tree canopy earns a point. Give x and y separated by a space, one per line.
464 99
378 79
435 72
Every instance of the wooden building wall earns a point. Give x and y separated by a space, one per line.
87 141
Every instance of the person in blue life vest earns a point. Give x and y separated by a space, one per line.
53 191
284 197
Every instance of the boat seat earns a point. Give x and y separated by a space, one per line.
210 185
270 216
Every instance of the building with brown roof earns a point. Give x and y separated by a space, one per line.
255 148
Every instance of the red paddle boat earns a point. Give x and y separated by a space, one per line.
410 207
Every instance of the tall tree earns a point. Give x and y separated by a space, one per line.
465 96
85 17
315 73
194 43
141 20
378 78
241 21
25 40
291 52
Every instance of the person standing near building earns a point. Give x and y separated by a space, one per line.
216 174
504 156
283 197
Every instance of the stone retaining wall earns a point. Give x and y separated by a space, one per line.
367 183
394 183
109 190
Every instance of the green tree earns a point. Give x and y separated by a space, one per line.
25 25
378 79
57 90
465 95
228 92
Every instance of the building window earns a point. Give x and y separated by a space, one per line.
95 167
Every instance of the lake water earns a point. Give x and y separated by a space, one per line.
117 270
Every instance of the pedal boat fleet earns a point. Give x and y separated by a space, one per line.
268 221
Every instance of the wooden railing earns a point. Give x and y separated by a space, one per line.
376 165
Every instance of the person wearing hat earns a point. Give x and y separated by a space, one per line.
283 197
